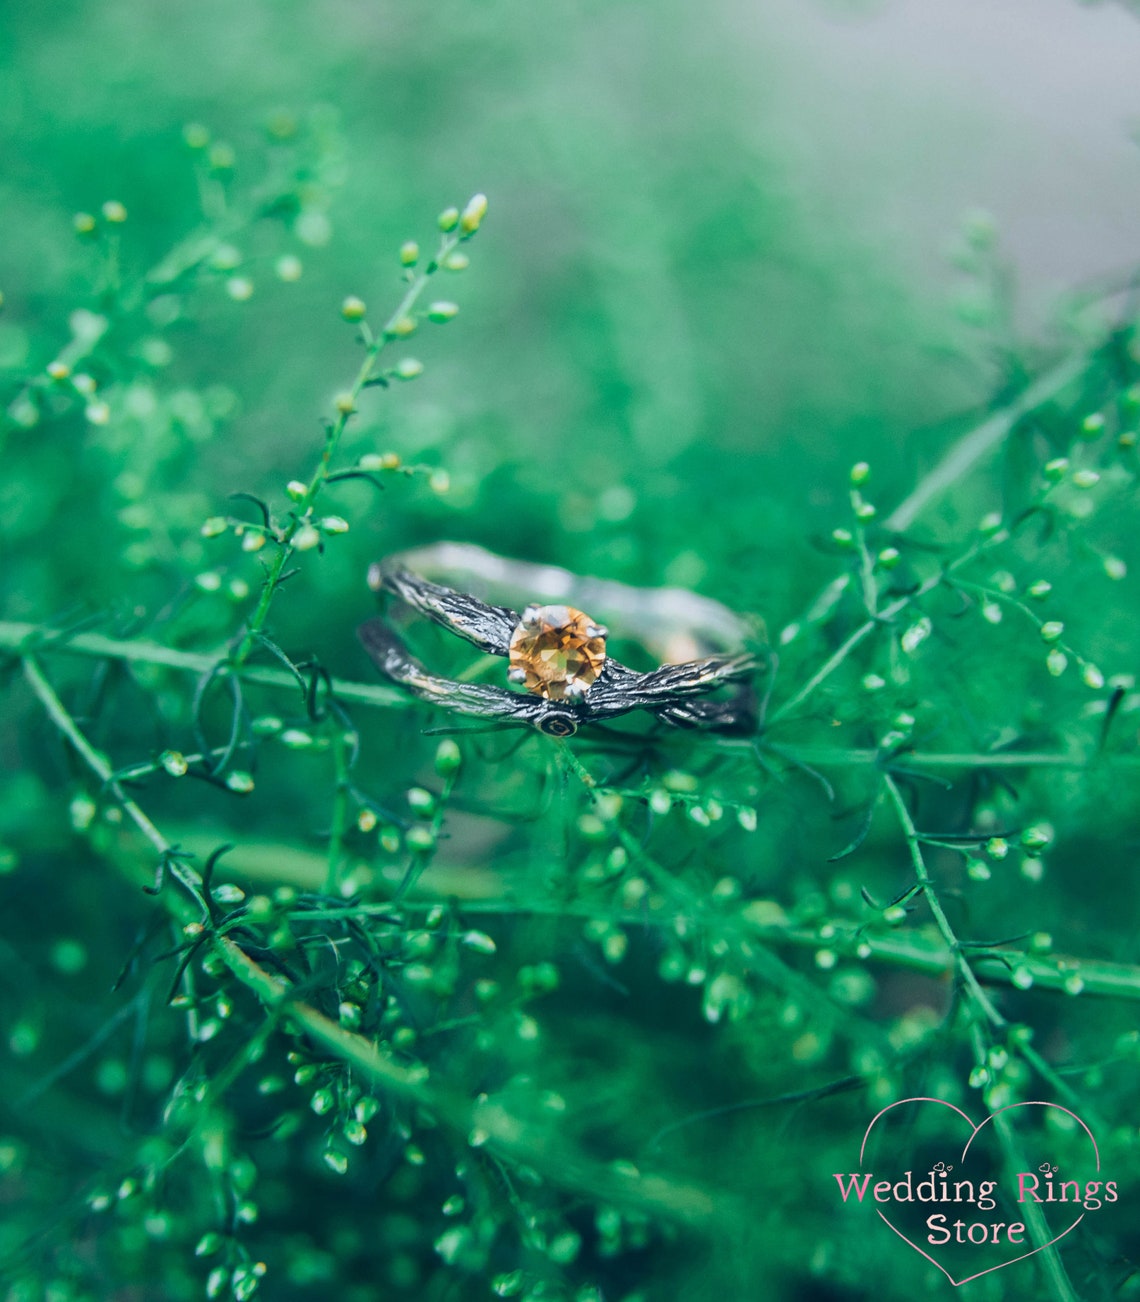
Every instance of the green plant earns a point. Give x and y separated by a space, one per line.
522 1010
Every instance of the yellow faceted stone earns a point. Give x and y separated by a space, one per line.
557 652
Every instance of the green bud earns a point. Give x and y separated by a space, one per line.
306 538
442 311
174 762
614 946
479 941
353 308
420 838
1032 868
208 581
889 558
1092 427
222 157
214 526
456 261
1040 590
259 908
1051 630
916 634
195 135
1086 478
1036 837
448 220
289 268
860 473
1092 677
365 1109
225 258
336 1161
113 211
407 368
1055 469
409 253
448 757
296 489
422 801
473 214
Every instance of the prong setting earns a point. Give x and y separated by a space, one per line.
556 652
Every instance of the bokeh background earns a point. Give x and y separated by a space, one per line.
731 249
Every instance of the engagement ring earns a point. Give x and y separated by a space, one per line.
557 653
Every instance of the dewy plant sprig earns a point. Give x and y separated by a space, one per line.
303 531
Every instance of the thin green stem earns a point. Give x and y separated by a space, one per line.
346 409
501 1131
967 451
922 875
1039 1232
912 950
975 994
340 810
59 715
21 637
25 638
883 618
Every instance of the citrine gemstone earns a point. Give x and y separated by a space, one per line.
557 652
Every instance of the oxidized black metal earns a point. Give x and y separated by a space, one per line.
671 692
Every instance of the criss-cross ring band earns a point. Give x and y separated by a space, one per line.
556 652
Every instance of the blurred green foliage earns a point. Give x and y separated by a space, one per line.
625 955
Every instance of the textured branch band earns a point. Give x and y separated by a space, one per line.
558 652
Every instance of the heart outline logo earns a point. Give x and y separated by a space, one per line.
975 1129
